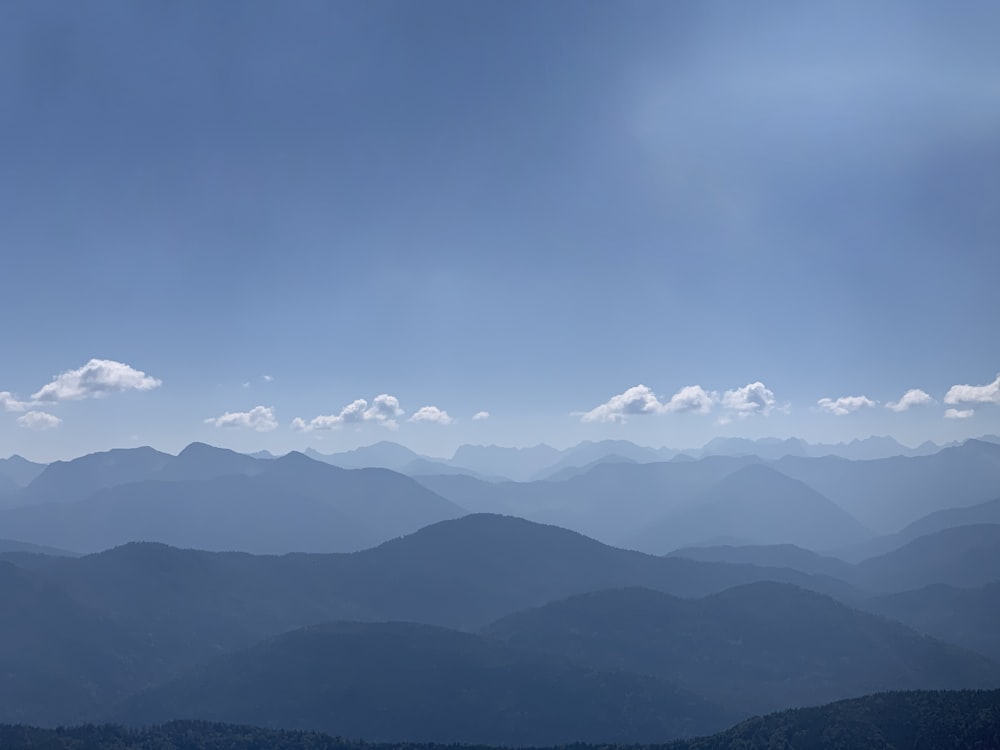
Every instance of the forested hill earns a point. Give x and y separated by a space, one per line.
884 721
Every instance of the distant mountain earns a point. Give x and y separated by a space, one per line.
200 461
867 449
66 481
757 503
262 454
290 504
965 556
887 494
752 647
7 487
404 682
988 512
20 470
885 721
568 472
772 555
610 501
766 448
969 617
381 455
590 453
519 464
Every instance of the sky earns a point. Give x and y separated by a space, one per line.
321 224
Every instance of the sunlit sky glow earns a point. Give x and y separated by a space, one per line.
268 225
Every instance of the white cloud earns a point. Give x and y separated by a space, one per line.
267 378
974 394
431 414
958 413
95 379
913 397
39 420
480 415
638 399
753 398
384 409
259 418
9 403
692 398
845 404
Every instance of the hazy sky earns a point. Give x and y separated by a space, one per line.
264 212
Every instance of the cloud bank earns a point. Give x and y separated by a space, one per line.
97 378
913 397
259 418
974 394
39 421
384 409
431 414
845 404
958 413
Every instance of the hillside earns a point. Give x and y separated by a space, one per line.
754 648
756 503
404 682
770 555
963 556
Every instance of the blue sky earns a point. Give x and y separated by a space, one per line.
520 209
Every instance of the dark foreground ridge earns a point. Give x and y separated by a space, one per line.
884 721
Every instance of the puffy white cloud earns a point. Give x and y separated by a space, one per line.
974 394
39 420
845 404
638 399
913 397
958 413
97 378
384 408
692 398
259 418
9 403
753 398
431 414
480 415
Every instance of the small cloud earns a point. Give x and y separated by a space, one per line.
753 398
913 397
267 378
96 379
958 413
431 414
638 399
480 415
384 409
246 384
39 420
259 418
845 404
9 403
974 394
693 399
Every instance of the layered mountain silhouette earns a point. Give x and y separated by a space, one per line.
751 647
220 500
405 682
756 503
770 555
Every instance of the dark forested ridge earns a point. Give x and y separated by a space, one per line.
964 719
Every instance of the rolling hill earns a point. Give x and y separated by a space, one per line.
753 648
405 682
